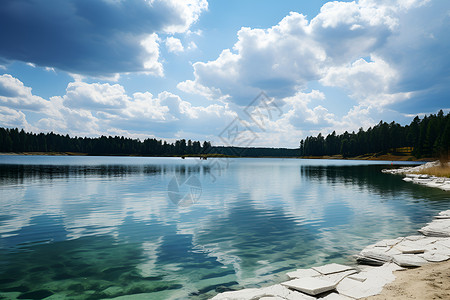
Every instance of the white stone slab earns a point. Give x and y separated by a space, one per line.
294 295
410 247
271 298
388 242
238 295
356 289
359 277
414 237
435 257
310 285
409 260
332 268
335 296
276 290
445 187
444 242
376 278
335 278
445 213
377 255
300 273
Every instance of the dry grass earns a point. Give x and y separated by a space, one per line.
439 171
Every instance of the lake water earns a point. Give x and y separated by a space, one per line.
167 228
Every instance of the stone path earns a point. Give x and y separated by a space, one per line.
378 262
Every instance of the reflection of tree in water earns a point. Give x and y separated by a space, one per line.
13 174
252 235
387 186
368 177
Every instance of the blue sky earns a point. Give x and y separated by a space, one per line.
188 68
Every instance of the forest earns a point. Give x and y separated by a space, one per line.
15 140
426 137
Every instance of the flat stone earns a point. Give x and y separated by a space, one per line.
438 248
435 257
335 278
376 279
410 248
238 295
414 237
388 242
356 289
335 296
294 295
271 298
445 187
300 273
332 268
445 213
310 285
368 261
409 260
279 290
444 242
271 292
359 277
113 291
376 255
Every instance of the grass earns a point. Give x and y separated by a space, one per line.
439 171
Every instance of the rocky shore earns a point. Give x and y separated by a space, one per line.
377 262
412 175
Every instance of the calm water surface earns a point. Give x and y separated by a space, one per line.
167 228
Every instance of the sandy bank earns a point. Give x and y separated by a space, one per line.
431 281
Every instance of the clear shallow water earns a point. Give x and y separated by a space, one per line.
104 227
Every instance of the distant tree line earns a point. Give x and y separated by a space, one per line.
428 137
15 140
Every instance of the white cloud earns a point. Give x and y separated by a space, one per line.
151 61
14 94
13 118
188 11
95 96
383 54
92 109
174 45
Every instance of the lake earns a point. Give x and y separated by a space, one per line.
171 228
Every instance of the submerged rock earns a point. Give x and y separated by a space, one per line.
39 294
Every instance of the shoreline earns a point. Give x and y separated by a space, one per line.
387 269
419 175
385 157
427 282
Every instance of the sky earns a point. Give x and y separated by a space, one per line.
243 73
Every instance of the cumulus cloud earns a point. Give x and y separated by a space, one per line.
174 45
14 94
13 118
91 109
390 57
93 37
